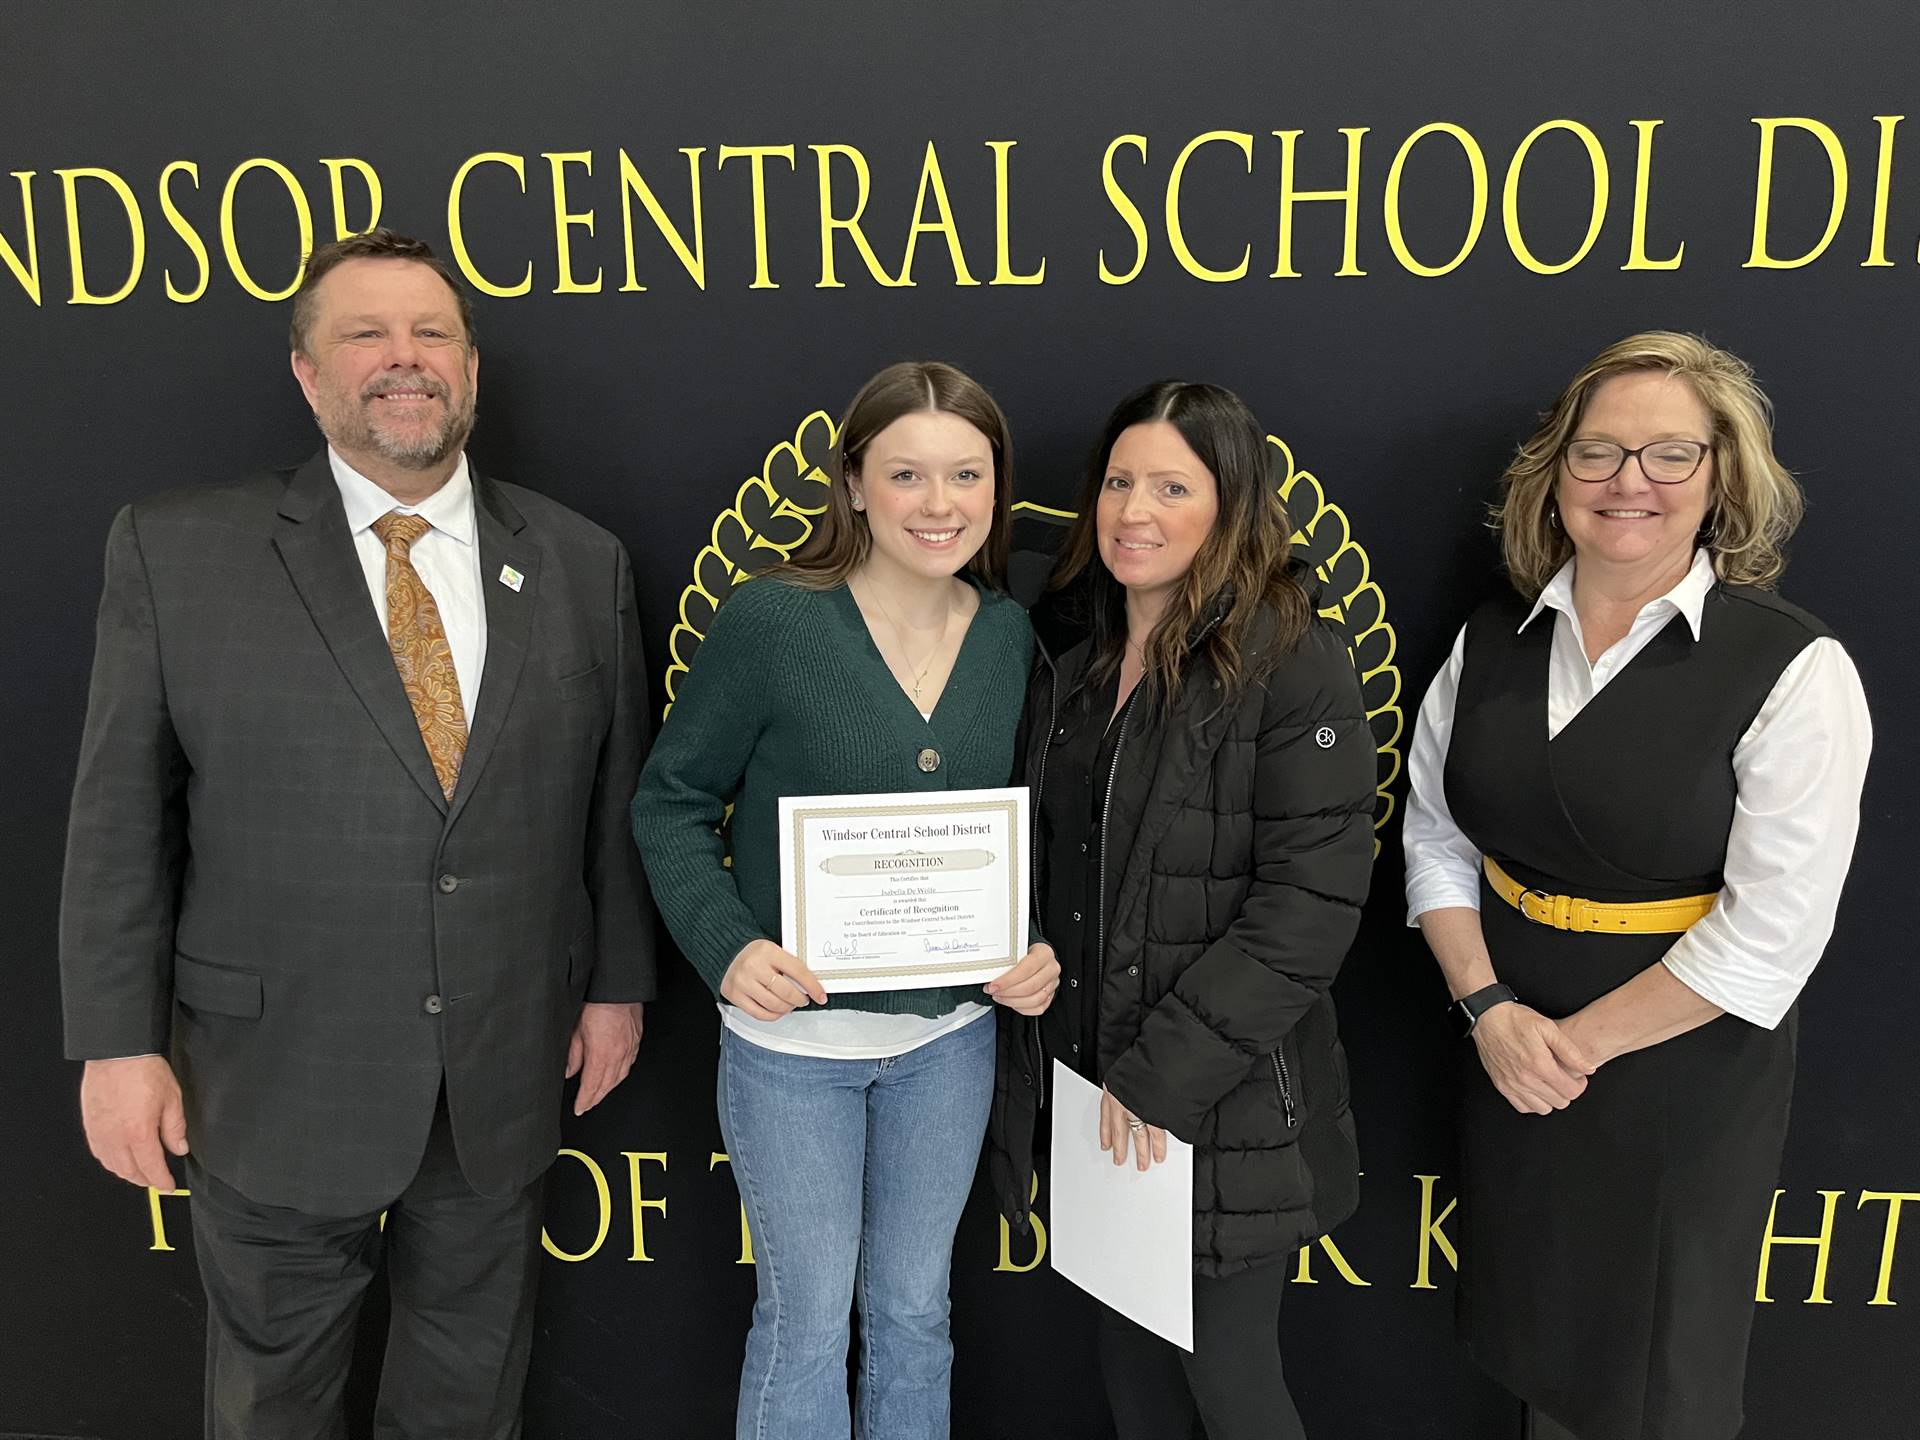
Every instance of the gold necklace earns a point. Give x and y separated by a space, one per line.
900 635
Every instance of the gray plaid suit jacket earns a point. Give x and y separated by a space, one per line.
264 880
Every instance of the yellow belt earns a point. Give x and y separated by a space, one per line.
1569 912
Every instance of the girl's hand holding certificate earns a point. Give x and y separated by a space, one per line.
1028 987
767 982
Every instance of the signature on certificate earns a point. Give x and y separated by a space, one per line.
840 950
936 946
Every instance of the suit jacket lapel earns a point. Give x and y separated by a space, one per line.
318 551
509 625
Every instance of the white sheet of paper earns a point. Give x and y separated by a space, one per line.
1124 1237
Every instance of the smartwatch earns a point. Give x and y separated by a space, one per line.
1467 1010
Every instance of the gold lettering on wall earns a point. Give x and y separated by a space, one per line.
195 245
720 1157
1348 197
336 184
1008 1264
136 226
757 156
157 1217
1176 234
1432 1236
1822 1247
934 183
565 221
1786 235
28 274
1003 271
640 1200
632 183
303 218
1510 197
1477 212
832 224
456 228
604 1193
1020 1255
1637 257
1126 209
1303 1271
1882 185
1762 257
1893 1200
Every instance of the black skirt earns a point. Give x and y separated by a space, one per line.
1608 1250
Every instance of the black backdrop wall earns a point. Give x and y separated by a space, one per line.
653 197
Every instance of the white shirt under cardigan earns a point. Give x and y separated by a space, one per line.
1797 772
447 559
848 1034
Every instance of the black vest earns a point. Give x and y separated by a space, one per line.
1634 798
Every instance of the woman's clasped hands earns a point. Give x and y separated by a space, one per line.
1531 1059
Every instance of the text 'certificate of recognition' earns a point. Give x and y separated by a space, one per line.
902 892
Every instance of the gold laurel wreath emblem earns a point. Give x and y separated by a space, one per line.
773 513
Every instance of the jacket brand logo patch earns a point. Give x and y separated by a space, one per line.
1324 737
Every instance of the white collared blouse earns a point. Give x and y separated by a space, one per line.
1798 771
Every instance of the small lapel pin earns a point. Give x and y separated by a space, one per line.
511 578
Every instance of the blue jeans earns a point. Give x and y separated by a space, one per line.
854 1173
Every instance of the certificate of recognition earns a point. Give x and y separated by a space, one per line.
901 892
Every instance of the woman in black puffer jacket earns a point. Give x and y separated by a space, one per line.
1202 775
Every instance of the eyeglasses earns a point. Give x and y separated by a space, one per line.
1665 462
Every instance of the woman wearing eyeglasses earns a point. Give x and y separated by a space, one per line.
1635 790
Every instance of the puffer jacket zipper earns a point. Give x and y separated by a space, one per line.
1106 813
1106 801
1281 1081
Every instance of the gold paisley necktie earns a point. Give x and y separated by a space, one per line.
420 650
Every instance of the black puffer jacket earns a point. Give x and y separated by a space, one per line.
1234 910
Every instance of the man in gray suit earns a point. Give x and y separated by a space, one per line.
349 880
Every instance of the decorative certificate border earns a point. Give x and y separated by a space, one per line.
1010 807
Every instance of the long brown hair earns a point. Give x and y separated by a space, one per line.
1754 504
841 539
1240 570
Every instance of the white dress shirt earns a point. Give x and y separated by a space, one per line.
1797 773
447 559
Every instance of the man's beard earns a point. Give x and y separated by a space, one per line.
353 425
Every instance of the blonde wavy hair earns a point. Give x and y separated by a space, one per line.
1753 506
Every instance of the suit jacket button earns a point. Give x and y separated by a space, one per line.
448 884
433 1005
929 760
